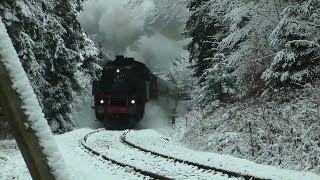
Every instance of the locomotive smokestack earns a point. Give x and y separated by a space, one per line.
130 58
119 57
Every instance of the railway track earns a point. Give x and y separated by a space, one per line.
136 170
164 160
200 166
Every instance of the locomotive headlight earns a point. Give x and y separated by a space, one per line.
133 101
118 70
101 101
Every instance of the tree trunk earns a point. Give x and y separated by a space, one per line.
25 137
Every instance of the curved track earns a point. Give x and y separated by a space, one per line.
200 166
135 169
164 162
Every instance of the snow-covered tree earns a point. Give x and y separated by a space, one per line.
246 44
181 77
297 42
218 82
56 54
232 28
164 11
202 27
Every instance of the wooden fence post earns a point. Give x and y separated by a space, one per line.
27 140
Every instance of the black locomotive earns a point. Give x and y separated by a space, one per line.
122 91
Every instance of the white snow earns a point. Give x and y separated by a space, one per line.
153 140
108 143
84 165
30 104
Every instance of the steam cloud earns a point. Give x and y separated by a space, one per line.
119 30
154 116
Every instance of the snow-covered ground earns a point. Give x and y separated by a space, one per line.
80 164
84 165
156 141
283 133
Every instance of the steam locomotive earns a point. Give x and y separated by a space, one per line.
122 91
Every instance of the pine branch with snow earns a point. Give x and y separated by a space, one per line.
296 39
55 52
218 82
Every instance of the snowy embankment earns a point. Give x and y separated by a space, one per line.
30 105
154 141
283 133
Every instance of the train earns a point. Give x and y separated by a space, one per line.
122 91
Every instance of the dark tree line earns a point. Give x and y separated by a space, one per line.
55 53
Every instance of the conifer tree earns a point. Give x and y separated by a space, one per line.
296 39
55 52
181 77
202 27
218 82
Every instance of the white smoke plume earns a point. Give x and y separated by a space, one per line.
129 31
154 116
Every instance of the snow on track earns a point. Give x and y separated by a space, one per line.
87 166
154 141
197 165
130 168
81 164
109 144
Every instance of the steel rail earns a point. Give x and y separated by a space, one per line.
201 166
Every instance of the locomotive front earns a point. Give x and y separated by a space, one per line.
120 94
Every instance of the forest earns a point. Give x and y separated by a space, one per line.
251 71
